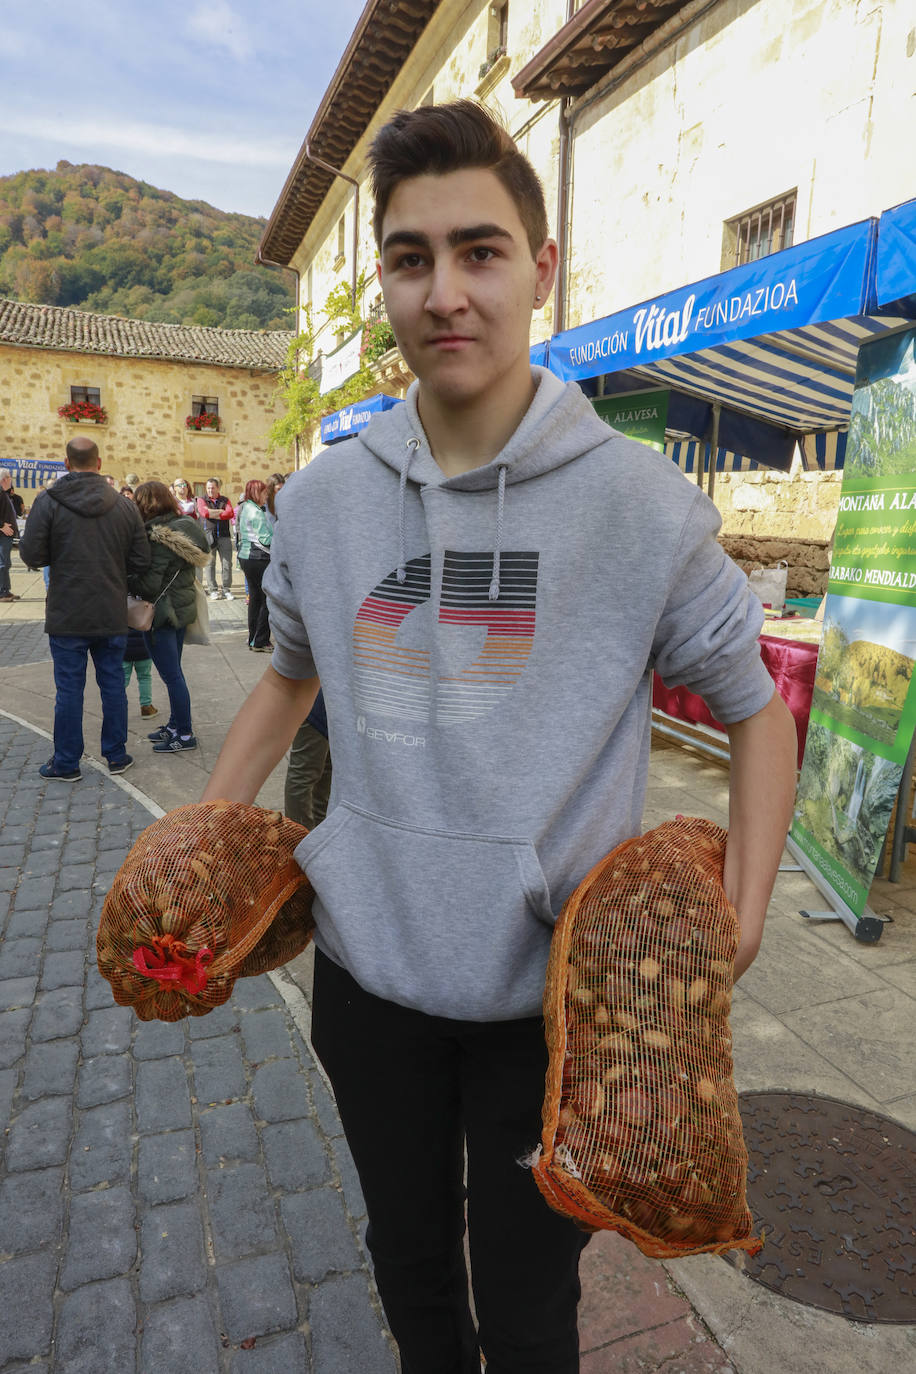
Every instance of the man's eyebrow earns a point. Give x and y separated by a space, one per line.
412 238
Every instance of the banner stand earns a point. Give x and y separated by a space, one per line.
867 928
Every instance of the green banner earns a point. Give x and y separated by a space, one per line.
640 415
864 705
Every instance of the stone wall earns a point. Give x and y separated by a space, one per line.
769 515
147 401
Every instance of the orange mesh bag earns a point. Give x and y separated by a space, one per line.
208 893
641 1132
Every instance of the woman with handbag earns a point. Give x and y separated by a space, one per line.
255 534
178 546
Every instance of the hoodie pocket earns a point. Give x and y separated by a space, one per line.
453 924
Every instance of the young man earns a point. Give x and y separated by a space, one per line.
482 580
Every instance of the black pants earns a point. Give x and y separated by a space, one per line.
412 1089
258 624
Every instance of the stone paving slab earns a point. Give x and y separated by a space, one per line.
171 1196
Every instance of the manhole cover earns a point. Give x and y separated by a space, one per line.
831 1187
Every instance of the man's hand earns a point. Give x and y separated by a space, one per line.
761 798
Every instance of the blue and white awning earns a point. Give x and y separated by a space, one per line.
895 276
351 419
773 342
32 472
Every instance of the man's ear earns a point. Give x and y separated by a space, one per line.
546 270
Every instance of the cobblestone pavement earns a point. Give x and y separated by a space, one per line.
173 1198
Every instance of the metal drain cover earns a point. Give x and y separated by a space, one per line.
832 1189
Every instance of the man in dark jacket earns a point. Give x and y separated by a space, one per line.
93 540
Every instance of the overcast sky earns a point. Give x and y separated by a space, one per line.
210 99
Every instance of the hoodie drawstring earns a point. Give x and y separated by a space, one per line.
500 507
412 446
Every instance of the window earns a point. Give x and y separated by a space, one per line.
497 30
204 405
308 286
758 232
341 241
79 395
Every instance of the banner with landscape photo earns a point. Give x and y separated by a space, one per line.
864 704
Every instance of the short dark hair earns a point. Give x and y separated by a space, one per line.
82 453
154 498
215 480
436 139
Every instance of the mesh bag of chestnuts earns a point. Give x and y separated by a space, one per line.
208 893
641 1131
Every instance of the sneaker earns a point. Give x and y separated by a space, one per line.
162 733
227 596
175 745
149 710
121 765
48 770
262 648
215 596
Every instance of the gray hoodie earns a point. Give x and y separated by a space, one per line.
485 643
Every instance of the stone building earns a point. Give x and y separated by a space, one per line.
675 139
148 378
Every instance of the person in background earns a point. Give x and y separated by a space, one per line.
127 491
132 481
95 544
6 484
48 482
308 773
106 477
183 494
7 534
275 481
137 659
255 534
177 545
216 513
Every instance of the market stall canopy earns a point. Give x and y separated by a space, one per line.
351 419
895 276
32 472
773 342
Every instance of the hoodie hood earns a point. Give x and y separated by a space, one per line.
166 530
85 493
557 427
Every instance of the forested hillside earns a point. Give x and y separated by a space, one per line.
95 239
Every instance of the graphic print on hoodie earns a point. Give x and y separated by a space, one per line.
395 681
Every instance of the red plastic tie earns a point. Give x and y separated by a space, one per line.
170 961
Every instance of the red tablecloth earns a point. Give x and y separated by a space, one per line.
791 664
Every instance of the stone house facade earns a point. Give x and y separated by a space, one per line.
664 132
148 378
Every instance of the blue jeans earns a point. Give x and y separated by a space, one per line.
165 645
70 654
6 558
